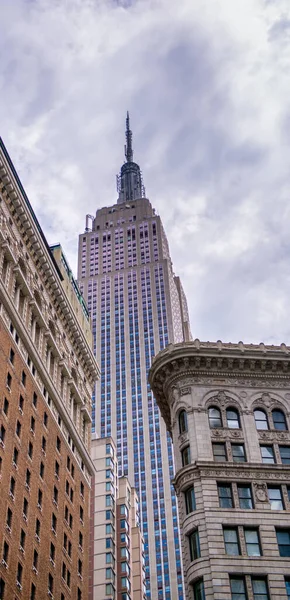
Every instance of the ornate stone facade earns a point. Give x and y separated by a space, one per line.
227 409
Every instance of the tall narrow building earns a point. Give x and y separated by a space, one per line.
137 306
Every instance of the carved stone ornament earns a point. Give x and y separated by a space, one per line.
260 491
274 436
183 438
185 390
229 434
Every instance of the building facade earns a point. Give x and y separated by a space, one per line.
117 568
48 371
226 407
137 306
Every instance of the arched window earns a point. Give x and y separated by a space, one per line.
182 421
279 420
261 419
214 417
233 418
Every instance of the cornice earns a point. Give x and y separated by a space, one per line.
22 212
205 361
246 471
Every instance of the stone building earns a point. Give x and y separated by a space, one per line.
47 373
226 407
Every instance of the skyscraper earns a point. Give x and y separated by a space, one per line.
137 307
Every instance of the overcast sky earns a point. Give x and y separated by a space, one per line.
207 84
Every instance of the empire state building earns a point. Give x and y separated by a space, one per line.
137 306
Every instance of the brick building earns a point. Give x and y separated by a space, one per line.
227 409
47 372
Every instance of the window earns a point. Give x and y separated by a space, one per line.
82 489
198 590
40 496
5 552
12 356
190 500
45 419
58 444
283 540
8 381
80 566
30 450
252 542
245 496
275 498
279 420
53 522
267 453
23 378
22 538
233 418
52 551
194 546
231 540
12 487
261 419
2 588
81 513
21 404
34 399
43 444
219 452
50 583
260 589
185 456
28 478
37 527
56 469
238 452
35 559
225 495
25 507
9 518
287 585
32 424
214 417
81 539
19 573
5 406
15 456
238 588
41 470
285 454
182 419
33 592
18 429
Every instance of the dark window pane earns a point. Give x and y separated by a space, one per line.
233 419
285 454
245 496
225 495
261 419
279 420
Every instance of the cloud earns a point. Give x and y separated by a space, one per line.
207 86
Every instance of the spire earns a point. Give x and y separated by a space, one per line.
128 146
129 181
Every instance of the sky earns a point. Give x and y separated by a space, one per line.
207 85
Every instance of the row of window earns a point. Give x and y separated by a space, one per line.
224 452
243 587
231 419
244 493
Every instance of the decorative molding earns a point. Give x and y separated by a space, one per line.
260 492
